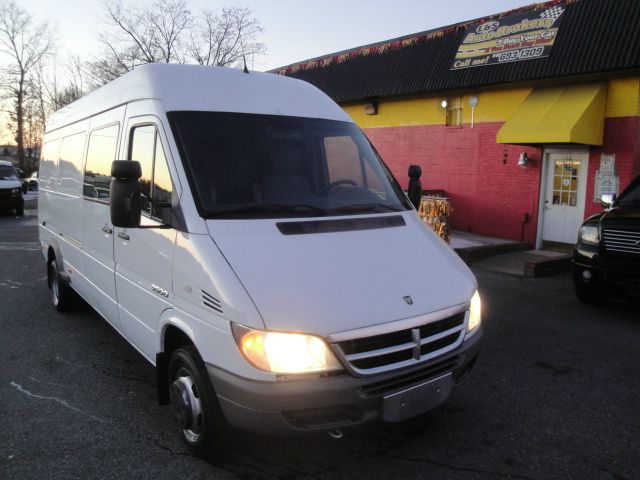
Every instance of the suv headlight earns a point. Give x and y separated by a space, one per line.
278 352
15 191
475 314
589 235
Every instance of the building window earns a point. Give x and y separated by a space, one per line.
454 112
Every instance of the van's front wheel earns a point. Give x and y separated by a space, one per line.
199 417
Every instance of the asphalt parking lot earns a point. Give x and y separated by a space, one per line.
555 394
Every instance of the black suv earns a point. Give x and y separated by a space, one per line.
10 189
606 259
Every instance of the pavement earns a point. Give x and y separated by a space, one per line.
554 395
463 240
508 256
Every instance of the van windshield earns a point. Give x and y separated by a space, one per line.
7 172
253 166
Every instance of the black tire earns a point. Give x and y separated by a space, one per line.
20 210
63 297
590 296
202 432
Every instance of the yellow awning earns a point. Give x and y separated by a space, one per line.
573 114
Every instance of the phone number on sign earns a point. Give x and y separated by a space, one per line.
520 54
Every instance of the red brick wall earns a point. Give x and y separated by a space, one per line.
621 137
489 196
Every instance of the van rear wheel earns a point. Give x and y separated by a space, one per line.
200 420
62 296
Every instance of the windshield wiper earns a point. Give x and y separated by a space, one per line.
269 209
367 207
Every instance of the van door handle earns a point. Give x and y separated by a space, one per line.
123 236
107 230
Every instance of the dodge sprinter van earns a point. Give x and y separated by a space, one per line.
240 231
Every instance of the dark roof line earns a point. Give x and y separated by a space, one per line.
405 40
595 36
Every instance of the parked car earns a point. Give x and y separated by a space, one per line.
10 189
32 181
239 230
606 259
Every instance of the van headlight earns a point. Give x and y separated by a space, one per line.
589 235
475 314
278 352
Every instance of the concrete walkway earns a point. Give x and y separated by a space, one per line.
529 263
508 256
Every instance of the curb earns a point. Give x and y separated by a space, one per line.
547 267
473 254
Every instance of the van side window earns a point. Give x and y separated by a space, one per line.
70 164
141 150
155 183
103 144
162 186
48 165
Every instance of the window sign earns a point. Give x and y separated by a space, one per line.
525 36
607 182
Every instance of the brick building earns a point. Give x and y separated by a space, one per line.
522 143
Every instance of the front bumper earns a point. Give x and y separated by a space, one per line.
614 277
9 200
334 401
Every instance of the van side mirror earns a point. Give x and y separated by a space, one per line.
607 199
125 193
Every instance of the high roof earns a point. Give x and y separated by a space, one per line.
200 88
594 36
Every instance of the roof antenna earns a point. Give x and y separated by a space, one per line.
244 58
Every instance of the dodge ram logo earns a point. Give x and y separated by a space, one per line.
408 299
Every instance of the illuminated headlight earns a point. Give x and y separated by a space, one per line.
589 235
475 314
284 352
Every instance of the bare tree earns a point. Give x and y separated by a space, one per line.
24 44
169 19
113 63
224 39
140 35
47 92
166 32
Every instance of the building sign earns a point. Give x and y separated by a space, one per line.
525 36
607 182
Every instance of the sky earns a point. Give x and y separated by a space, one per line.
295 30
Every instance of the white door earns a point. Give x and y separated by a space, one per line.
565 190
144 257
97 230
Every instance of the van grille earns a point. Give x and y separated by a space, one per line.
623 241
381 353
211 302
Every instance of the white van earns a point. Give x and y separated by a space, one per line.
240 231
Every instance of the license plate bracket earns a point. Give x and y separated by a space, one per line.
416 400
